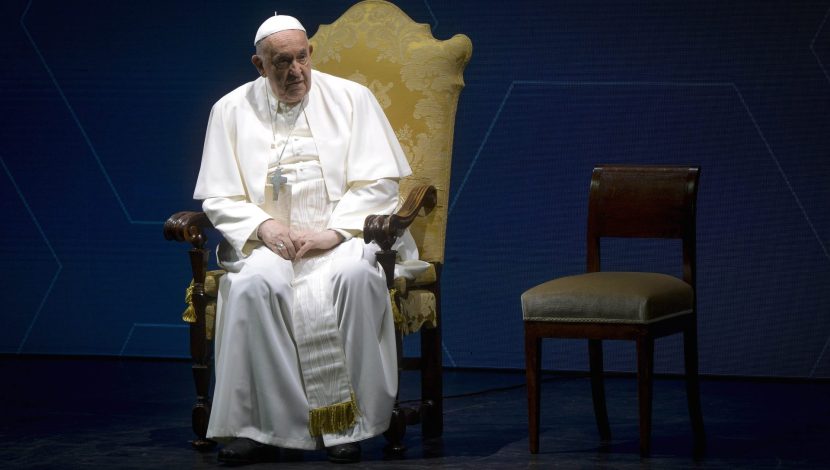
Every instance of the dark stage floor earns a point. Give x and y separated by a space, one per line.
134 414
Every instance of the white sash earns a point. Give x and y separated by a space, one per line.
303 205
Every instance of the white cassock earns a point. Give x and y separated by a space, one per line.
305 350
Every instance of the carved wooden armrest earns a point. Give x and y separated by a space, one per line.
187 226
385 229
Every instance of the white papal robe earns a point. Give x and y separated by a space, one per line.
342 162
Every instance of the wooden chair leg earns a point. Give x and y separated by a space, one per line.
693 388
201 351
397 430
200 415
645 370
533 369
432 406
598 389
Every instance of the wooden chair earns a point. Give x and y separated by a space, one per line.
625 202
417 80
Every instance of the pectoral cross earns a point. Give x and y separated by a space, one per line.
277 180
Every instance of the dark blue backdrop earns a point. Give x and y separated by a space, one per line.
104 106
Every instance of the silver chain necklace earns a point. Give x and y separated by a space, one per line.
276 178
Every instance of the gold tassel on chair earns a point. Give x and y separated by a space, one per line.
333 418
189 314
400 321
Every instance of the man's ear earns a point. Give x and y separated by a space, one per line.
257 61
310 49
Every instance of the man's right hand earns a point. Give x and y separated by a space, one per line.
277 238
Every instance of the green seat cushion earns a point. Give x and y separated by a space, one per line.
608 297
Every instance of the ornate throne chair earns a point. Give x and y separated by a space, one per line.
417 80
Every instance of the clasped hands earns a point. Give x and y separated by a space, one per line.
293 245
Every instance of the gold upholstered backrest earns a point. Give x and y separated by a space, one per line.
417 80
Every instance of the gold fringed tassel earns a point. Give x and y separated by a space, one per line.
400 321
189 314
333 418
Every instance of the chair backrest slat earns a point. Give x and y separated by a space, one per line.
643 202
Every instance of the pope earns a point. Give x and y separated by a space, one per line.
293 162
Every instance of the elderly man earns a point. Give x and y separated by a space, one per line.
293 162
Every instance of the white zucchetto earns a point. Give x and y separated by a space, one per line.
275 24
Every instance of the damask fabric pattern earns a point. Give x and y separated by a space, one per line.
421 76
416 307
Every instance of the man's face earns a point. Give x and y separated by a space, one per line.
285 59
